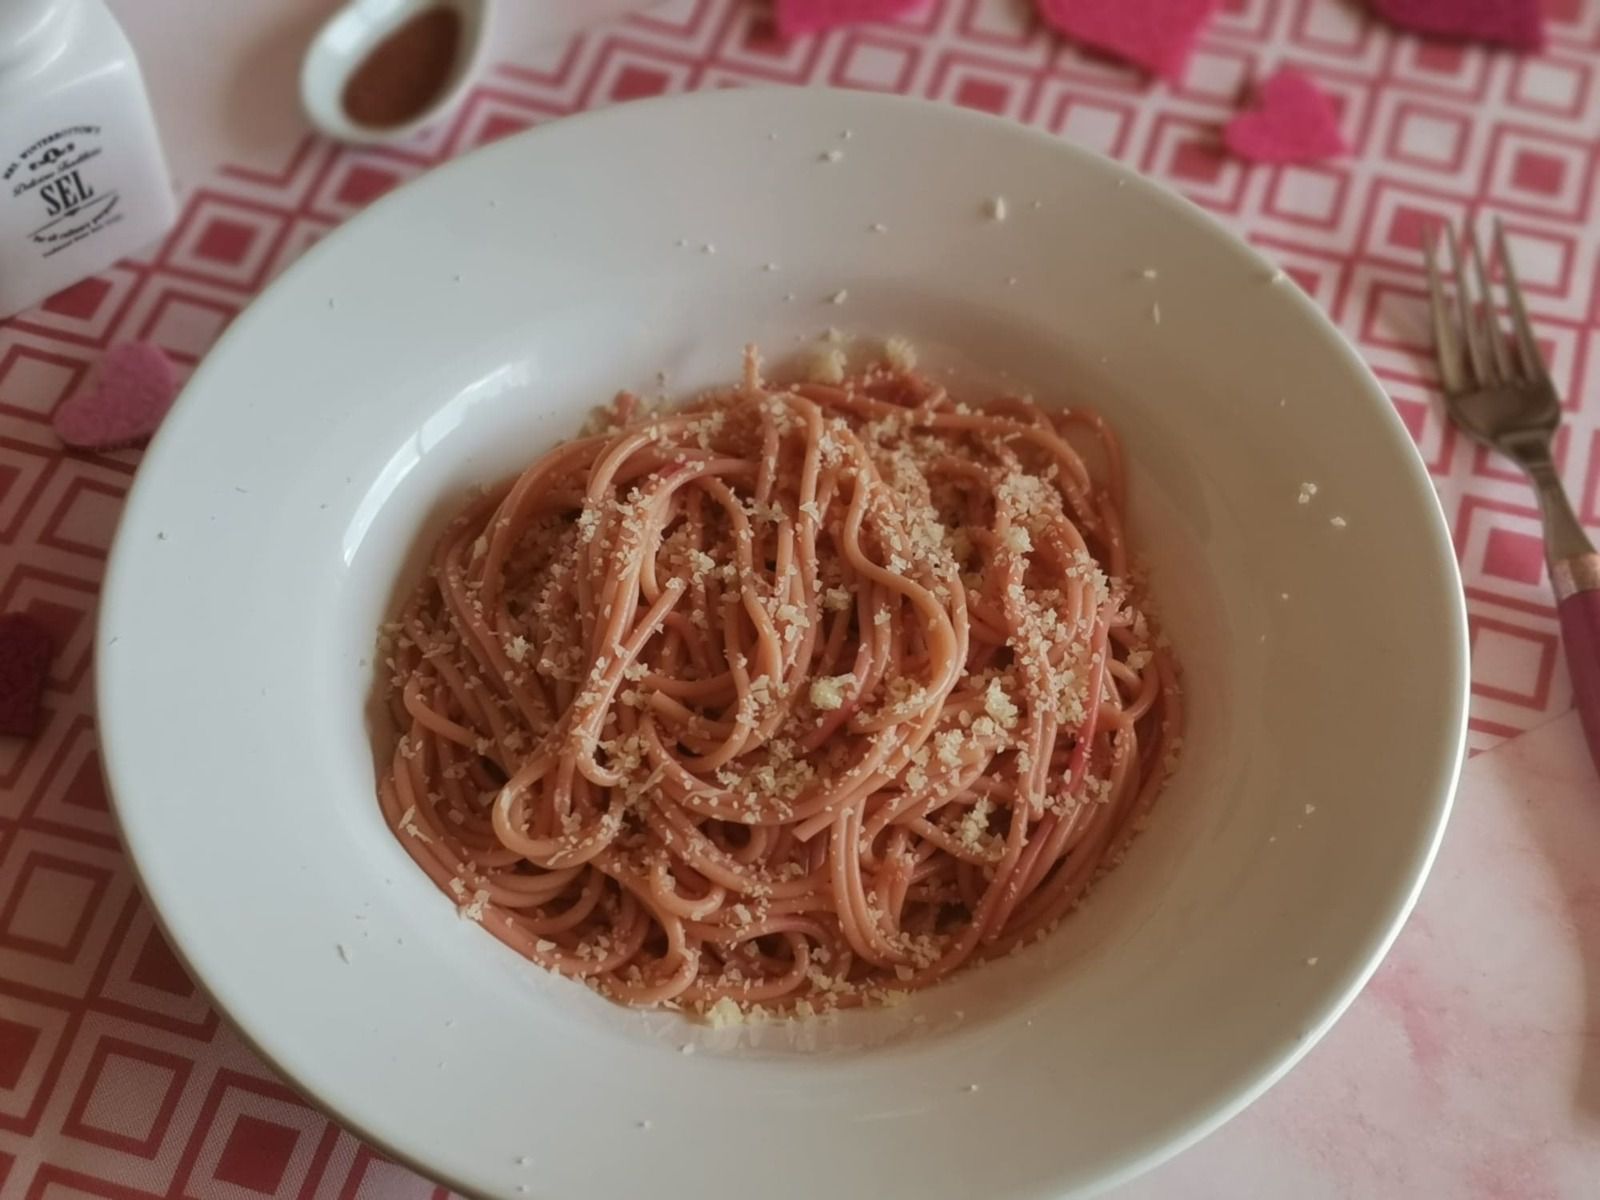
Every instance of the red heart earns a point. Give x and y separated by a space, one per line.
125 404
1292 123
1154 34
1516 23
797 17
25 650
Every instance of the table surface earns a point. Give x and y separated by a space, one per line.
1470 1067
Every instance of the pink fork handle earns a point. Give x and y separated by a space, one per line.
1577 583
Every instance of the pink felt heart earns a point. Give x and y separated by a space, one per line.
1516 23
1155 34
124 404
1292 122
25 649
798 17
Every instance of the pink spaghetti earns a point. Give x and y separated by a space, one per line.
795 697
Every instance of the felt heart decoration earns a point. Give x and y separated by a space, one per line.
1155 34
25 650
124 404
1516 23
798 17
1292 122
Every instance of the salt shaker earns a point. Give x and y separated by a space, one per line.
82 179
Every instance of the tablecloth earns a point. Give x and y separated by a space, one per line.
1470 1067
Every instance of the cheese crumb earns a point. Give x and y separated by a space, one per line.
999 705
1307 490
1155 313
474 910
833 155
1017 540
900 353
724 1013
408 824
708 248
1149 273
839 297
879 227
1312 961
974 825
827 365
828 693
1337 522
997 208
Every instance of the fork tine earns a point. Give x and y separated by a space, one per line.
1445 346
1527 345
1499 352
1477 349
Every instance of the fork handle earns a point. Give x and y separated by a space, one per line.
1577 586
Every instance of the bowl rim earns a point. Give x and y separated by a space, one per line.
1138 1160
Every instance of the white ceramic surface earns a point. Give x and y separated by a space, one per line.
344 42
461 325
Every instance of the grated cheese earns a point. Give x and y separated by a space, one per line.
474 910
725 1013
1017 540
829 693
900 354
827 365
999 705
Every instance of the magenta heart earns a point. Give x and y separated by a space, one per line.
798 17
1154 34
124 404
1516 23
1292 122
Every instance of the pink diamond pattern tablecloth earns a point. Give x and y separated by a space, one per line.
118 1079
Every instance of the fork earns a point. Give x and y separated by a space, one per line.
1508 402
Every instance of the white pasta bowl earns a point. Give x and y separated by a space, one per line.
464 324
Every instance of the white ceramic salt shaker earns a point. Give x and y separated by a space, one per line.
82 179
